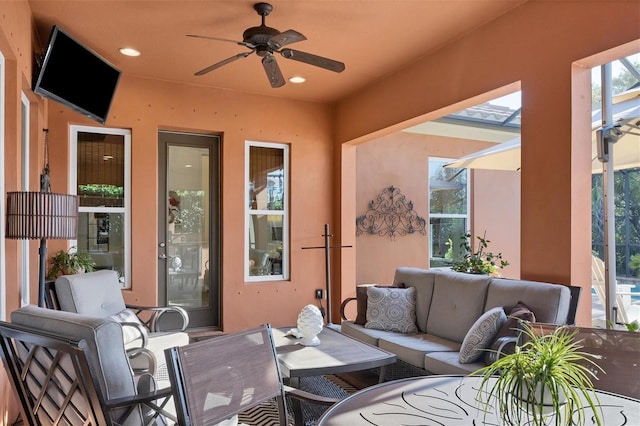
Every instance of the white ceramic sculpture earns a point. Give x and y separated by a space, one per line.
310 325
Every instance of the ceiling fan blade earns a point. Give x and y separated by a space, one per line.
241 43
224 62
273 71
286 37
308 58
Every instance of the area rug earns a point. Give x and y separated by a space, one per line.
334 386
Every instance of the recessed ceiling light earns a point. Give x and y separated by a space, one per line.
188 166
297 79
107 157
129 51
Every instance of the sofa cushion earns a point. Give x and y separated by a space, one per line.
458 301
549 302
481 334
96 294
361 301
411 348
422 280
366 335
448 363
391 309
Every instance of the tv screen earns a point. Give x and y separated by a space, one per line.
77 77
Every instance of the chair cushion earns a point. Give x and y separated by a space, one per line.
391 309
481 334
96 294
103 337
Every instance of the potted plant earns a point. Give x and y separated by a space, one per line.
69 262
480 261
545 381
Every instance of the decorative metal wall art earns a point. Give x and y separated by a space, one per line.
390 214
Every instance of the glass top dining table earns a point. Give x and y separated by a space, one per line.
448 400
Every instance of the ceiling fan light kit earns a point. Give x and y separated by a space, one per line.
264 41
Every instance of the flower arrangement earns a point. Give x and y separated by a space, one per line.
481 261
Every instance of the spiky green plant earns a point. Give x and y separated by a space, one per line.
545 361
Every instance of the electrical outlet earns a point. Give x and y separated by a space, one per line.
319 293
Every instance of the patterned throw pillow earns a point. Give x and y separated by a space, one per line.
391 309
361 301
481 334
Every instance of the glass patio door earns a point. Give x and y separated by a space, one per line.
188 225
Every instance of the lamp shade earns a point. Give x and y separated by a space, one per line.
41 215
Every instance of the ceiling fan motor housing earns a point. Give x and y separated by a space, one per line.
259 37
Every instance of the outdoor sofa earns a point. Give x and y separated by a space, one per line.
453 315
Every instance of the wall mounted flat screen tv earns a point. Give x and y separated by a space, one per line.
76 76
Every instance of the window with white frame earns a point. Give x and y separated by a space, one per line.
267 211
448 211
101 176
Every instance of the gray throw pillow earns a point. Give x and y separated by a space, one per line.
391 309
481 334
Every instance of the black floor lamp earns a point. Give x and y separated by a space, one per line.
42 215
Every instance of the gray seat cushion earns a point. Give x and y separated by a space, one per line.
449 363
411 348
366 335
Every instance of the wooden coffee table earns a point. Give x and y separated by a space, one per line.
337 353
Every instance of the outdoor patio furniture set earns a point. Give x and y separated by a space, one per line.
75 367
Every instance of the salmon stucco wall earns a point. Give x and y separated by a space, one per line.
401 160
146 106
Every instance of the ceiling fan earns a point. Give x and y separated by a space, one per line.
265 41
